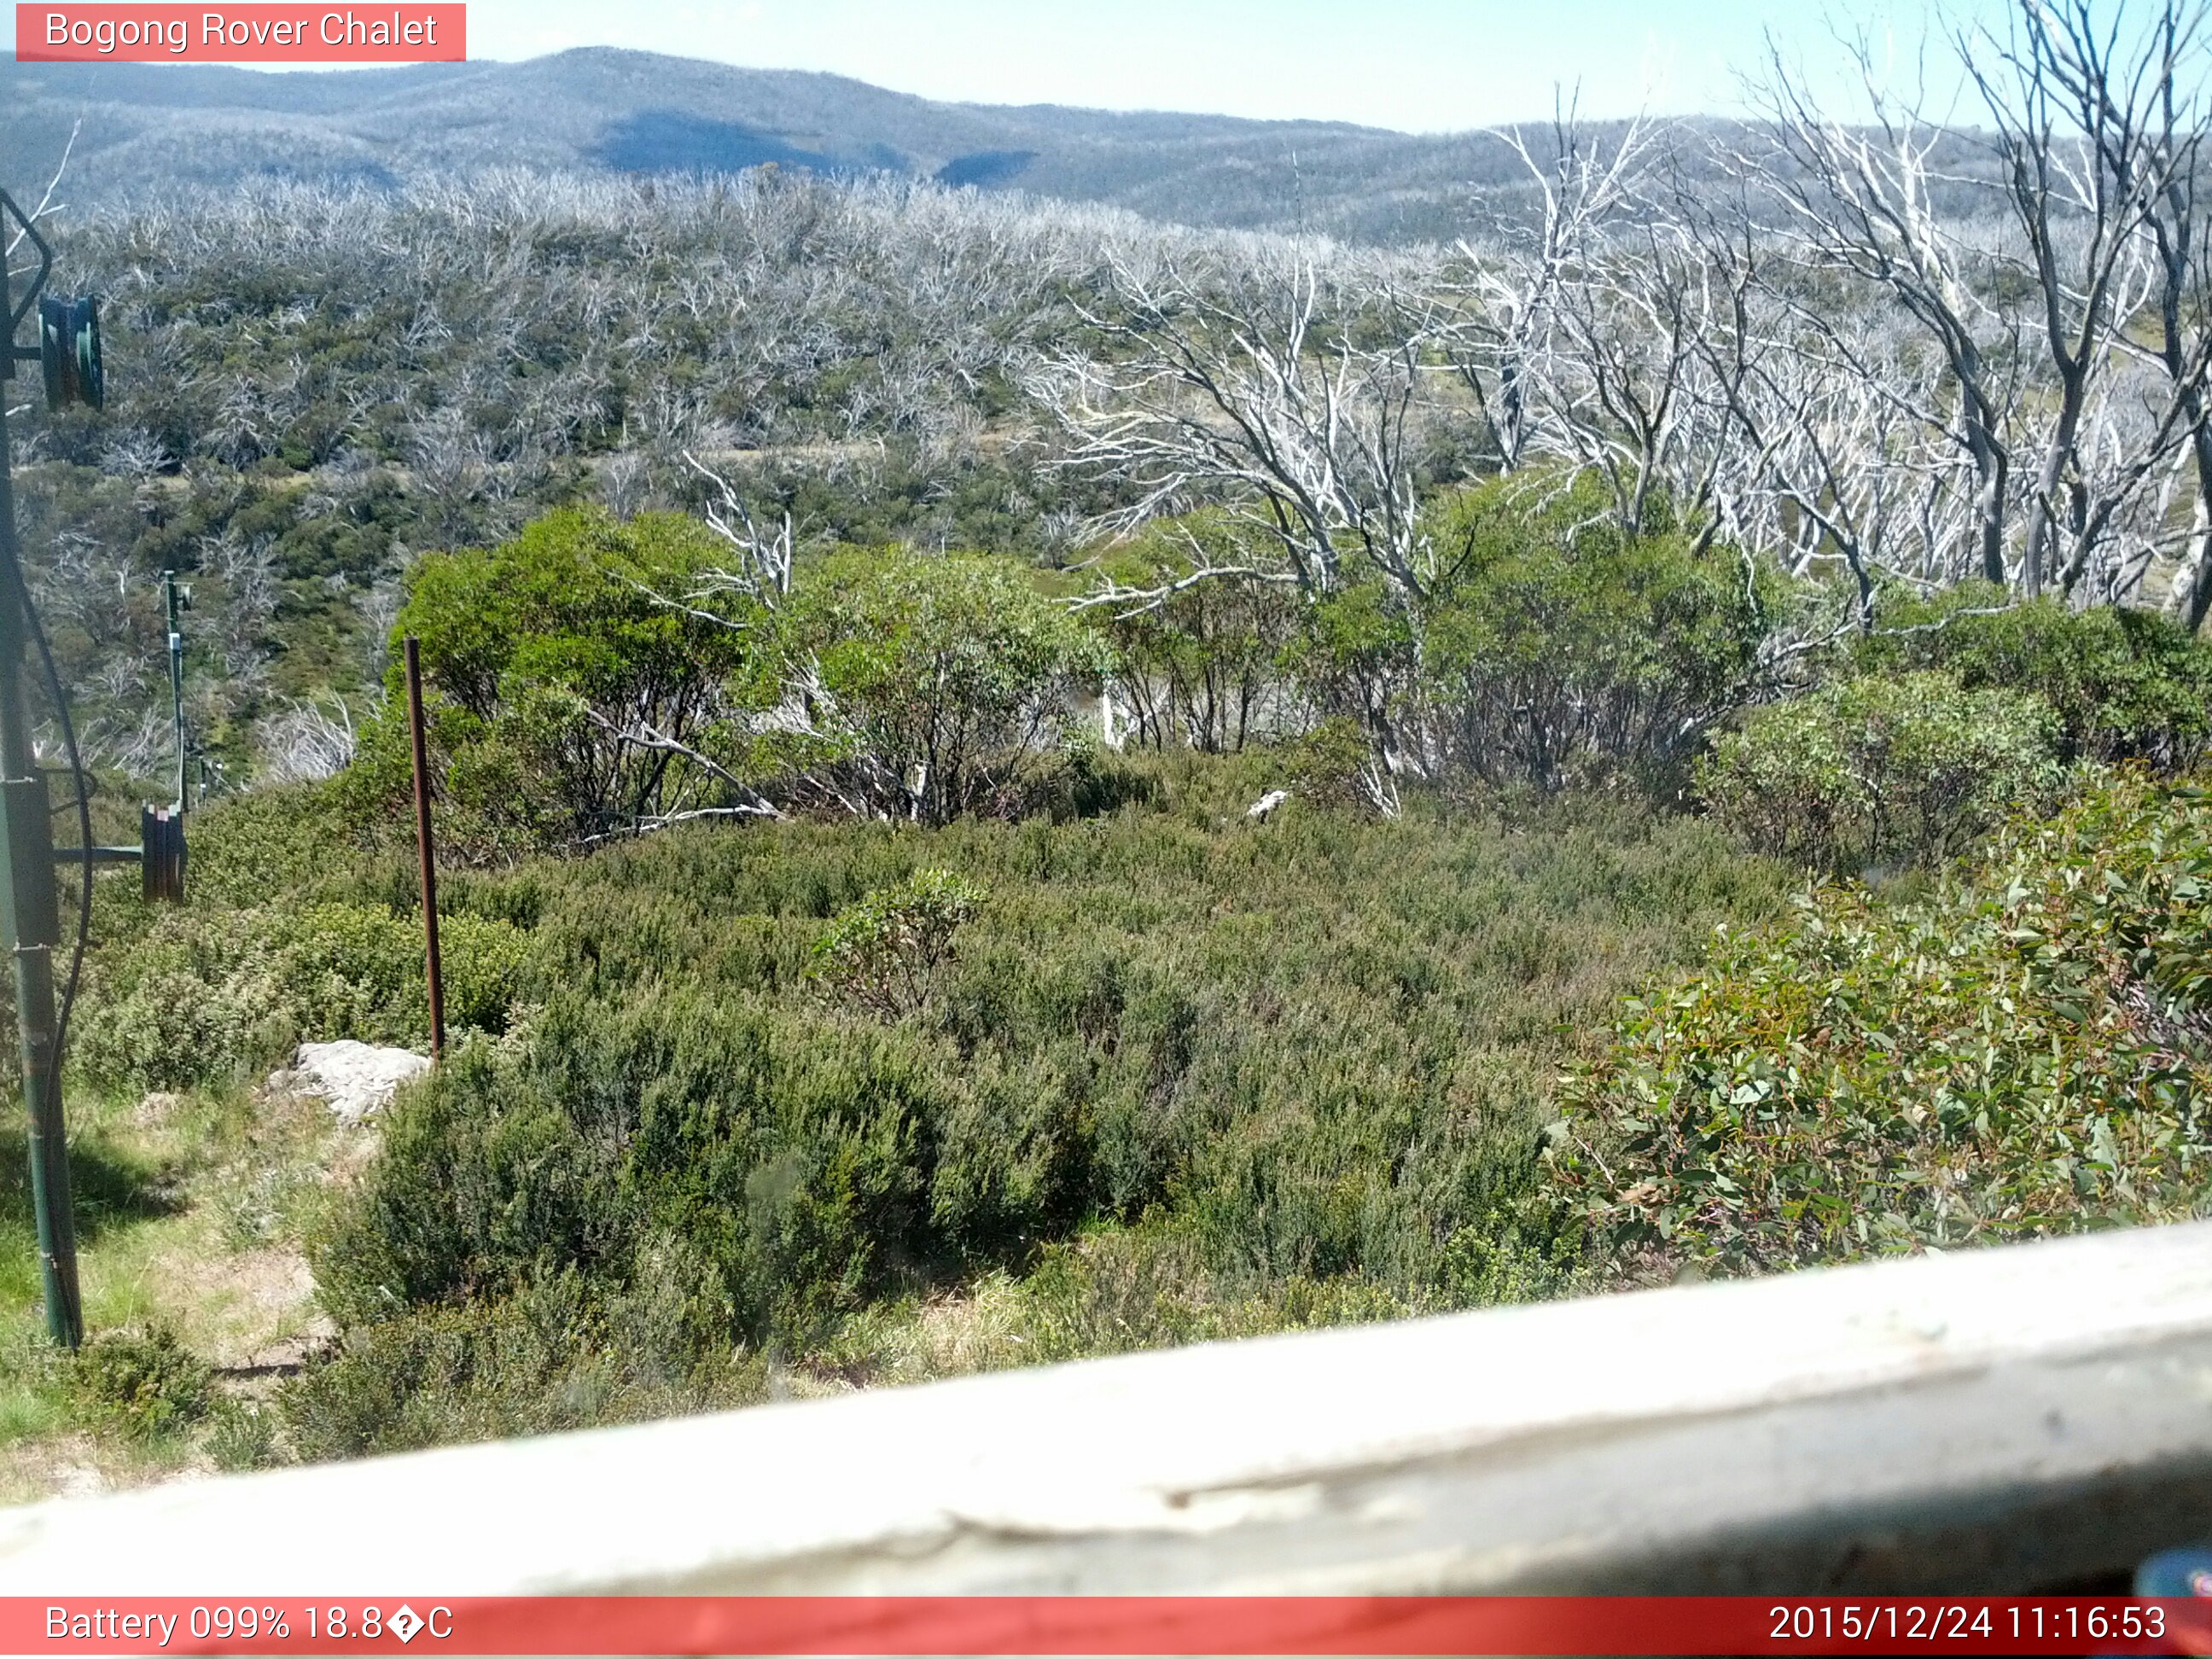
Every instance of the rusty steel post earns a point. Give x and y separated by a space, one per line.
423 842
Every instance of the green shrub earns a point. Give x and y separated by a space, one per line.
549 659
241 1435
1557 649
351 971
1319 1056
146 1380
544 1359
206 995
1355 657
1118 1290
1902 770
1327 763
198 997
791 1159
2126 684
2023 1051
592 678
889 952
275 841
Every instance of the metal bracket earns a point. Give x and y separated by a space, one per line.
160 853
17 314
99 854
16 354
160 856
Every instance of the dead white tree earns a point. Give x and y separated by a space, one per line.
1504 308
1651 347
46 206
2074 105
1280 389
2138 104
1288 393
307 742
1862 201
1848 459
761 571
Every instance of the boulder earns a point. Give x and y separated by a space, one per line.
357 1079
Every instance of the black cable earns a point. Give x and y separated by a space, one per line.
83 815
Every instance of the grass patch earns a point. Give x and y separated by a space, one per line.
183 1305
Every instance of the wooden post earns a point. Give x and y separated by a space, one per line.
423 842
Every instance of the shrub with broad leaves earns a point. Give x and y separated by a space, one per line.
2025 1050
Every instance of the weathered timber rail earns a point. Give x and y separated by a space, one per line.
2036 1417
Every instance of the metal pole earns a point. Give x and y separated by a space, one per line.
176 681
423 842
30 917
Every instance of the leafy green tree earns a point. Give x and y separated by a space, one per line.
1562 649
940 684
570 698
1356 659
1199 667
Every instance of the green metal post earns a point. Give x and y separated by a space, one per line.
30 918
176 681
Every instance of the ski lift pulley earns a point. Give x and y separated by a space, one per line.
69 351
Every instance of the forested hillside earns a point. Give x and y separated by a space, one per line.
148 131
1016 782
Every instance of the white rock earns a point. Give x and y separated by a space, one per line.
1267 803
357 1079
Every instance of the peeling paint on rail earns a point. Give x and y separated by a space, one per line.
1995 1421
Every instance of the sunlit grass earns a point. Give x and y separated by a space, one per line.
160 1188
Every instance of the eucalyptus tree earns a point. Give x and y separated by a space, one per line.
1287 385
1866 204
1507 302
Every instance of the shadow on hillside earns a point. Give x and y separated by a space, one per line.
107 1190
671 140
985 167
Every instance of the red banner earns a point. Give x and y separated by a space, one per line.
1103 1625
258 33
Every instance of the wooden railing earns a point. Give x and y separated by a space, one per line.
2038 1417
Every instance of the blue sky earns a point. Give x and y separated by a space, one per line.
1420 65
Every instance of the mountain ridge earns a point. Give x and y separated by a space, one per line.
147 130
